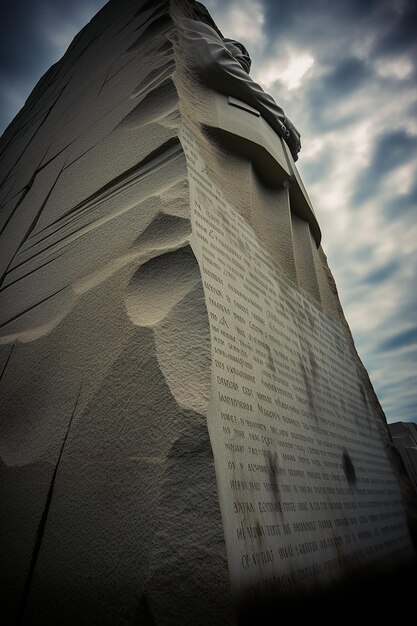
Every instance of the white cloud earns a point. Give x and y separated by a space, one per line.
395 68
242 20
289 71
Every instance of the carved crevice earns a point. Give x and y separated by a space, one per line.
44 518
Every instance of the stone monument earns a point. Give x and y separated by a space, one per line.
187 431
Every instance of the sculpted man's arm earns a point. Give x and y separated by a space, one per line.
219 70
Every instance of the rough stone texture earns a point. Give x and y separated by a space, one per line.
110 503
111 514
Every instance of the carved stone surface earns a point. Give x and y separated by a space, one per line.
184 416
404 436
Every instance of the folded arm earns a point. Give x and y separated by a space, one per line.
219 70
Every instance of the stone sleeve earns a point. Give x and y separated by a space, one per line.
220 71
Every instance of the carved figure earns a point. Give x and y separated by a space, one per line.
224 64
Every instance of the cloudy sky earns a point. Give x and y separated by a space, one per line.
345 72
